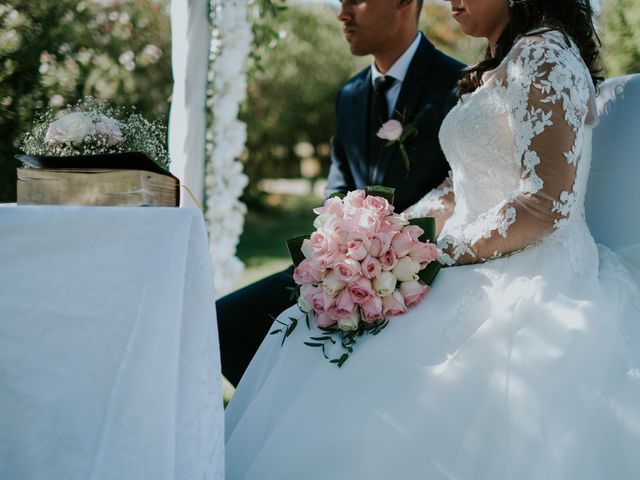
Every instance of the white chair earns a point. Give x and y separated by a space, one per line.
613 193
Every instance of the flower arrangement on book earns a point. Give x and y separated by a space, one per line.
92 153
362 265
93 127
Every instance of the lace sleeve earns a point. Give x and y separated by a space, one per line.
438 203
549 97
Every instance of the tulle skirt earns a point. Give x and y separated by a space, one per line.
524 367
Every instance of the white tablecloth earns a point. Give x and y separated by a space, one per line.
109 359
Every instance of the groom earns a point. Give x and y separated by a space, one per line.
408 80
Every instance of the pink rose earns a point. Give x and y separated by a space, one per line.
379 205
366 220
324 320
356 249
344 306
380 243
322 263
306 274
402 243
393 304
388 260
391 130
354 199
387 225
413 292
109 130
371 310
332 206
395 223
320 301
361 290
319 241
423 253
347 269
307 292
414 231
371 267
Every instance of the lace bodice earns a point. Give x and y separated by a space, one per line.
519 149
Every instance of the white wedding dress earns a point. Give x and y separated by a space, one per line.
521 365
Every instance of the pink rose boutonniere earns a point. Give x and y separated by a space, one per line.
394 132
352 280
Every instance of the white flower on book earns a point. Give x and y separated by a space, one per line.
72 127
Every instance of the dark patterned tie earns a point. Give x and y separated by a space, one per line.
378 114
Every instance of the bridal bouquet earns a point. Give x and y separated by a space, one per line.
92 127
362 265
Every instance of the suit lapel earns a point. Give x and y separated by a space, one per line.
413 88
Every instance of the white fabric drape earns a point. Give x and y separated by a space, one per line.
190 36
109 359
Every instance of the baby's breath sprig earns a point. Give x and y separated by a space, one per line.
100 128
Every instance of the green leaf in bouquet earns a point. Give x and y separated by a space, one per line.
294 245
340 361
428 274
295 294
339 195
381 191
428 224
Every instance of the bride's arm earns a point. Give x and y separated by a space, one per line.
550 99
438 203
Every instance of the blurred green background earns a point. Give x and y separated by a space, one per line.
53 52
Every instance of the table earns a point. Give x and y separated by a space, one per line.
109 358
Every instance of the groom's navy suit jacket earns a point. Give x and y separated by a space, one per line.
428 92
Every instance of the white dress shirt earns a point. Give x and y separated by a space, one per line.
398 71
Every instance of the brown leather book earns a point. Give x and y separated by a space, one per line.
117 180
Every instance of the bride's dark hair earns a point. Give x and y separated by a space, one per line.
574 18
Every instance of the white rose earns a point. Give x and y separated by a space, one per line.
350 323
406 269
302 303
385 283
332 284
306 248
73 127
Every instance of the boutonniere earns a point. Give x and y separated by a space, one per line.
394 132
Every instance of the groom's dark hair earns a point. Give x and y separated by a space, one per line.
419 4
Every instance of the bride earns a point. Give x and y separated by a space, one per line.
519 364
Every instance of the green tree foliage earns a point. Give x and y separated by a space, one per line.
620 27
53 52
292 90
438 25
